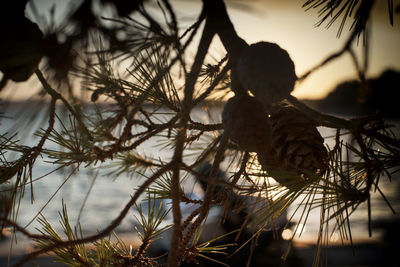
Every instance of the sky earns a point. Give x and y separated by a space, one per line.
293 28
286 23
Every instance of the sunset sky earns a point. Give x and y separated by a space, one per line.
289 25
286 23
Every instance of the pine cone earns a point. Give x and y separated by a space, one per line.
297 146
246 122
267 71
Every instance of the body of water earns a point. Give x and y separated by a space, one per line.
108 195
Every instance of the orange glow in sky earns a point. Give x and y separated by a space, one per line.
289 25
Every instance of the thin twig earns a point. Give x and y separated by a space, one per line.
332 56
21 229
57 95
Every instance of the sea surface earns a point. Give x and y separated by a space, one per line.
94 198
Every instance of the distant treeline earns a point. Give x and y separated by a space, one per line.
364 98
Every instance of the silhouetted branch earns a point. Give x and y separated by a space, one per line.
205 41
7 222
106 231
57 95
208 194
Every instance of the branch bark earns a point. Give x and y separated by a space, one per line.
191 79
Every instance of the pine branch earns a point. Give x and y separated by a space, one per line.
204 44
57 95
29 154
19 228
208 195
154 48
359 10
106 231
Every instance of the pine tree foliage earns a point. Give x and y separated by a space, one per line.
142 88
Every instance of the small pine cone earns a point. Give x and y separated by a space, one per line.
297 146
246 123
267 71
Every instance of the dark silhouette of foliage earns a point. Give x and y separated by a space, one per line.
145 103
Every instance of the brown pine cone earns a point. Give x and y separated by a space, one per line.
297 146
267 71
246 123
